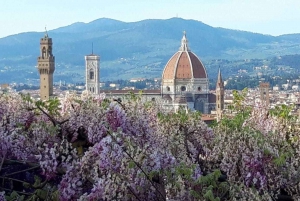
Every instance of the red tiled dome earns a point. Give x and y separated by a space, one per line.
184 64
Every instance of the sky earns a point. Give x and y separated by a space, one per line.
273 17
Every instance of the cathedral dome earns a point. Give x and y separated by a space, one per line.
184 64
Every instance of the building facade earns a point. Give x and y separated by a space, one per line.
46 67
92 73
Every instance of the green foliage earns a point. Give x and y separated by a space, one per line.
210 179
283 112
211 188
51 105
209 195
235 122
131 164
41 192
14 196
184 171
26 98
238 99
133 97
281 160
238 109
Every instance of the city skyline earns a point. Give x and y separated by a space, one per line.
267 17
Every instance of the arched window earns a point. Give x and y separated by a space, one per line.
44 53
92 75
49 51
168 88
183 88
199 88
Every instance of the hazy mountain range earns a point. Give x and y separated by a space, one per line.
135 49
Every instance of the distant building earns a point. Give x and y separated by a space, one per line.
4 86
264 92
102 84
295 87
92 73
46 67
80 87
114 85
137 79
286 86
276 88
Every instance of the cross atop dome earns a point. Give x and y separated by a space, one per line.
184 43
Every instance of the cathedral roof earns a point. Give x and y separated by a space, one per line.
184 64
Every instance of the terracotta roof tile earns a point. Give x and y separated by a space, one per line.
198 68
183 65
169 69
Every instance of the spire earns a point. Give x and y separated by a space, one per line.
220 76
92 48
220 80
219 96
184 43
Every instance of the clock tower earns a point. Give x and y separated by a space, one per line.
46 67
92 68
